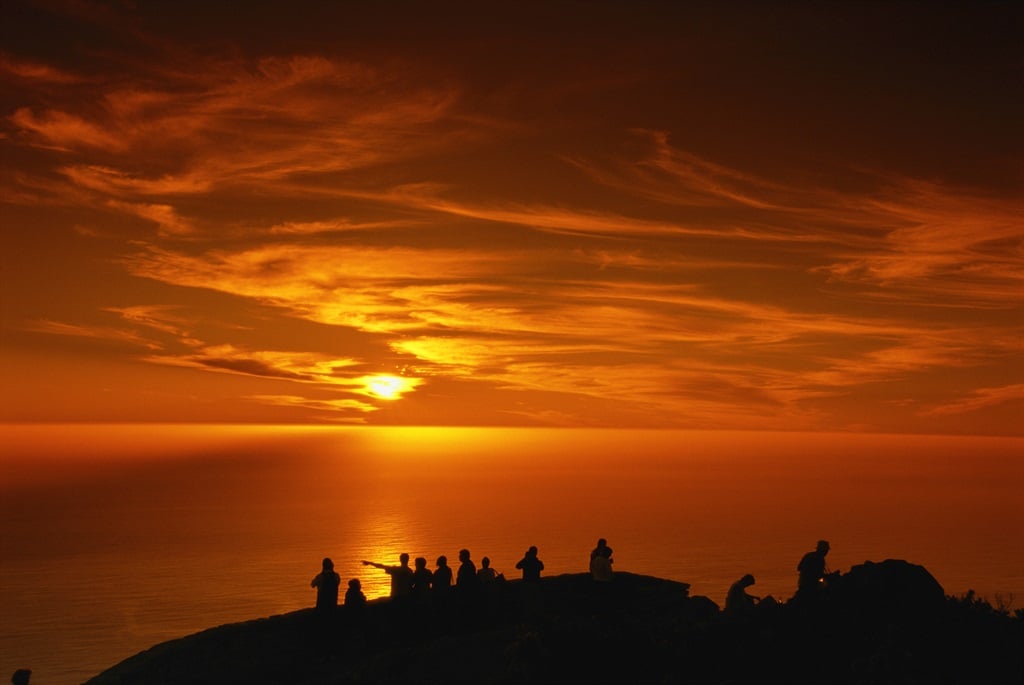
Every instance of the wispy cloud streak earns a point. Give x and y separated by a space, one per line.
370 201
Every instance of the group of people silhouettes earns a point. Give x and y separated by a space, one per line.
421 582
812 572
327 583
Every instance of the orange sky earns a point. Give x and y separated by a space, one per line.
725 215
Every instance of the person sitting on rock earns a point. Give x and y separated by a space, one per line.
354 597
812 570
601 562
530 565
326 583
738 602
486 574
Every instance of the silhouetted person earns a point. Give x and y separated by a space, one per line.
21 676
812 570
466 579
401 576
354 597
442 581
421 578
326 583
601 561
738 602
530 565
486 574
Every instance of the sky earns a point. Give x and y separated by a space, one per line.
725 215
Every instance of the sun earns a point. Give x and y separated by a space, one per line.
387 387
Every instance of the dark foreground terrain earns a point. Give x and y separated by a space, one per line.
880 623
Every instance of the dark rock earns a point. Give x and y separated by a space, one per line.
893 589
884 622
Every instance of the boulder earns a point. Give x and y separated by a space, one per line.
893 588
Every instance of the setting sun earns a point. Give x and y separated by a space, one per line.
389 387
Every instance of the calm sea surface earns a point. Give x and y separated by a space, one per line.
115 538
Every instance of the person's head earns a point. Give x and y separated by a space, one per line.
485 562
823 547
601 542
21 676
420 562
355 584
747 580
463 555
328 565
403 558
532 552
442 561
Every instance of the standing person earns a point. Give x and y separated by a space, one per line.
465 579
601 561
442 581
401 576
421 578
326 583
530 565
812 570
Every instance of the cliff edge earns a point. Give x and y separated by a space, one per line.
879 623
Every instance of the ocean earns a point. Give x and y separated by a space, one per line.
114 538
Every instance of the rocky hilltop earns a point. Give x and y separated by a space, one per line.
886 622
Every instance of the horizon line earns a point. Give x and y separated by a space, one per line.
637 429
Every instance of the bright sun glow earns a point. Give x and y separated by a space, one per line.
388 387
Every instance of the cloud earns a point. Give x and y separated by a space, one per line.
35 72
251 367
242 124
942 248
180 348
372 289
89 331
490 316
375 203
166 218
165 318
979 399
673 176
337 409
65 131
342 225
298 366
117 183
561 220
910 240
